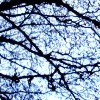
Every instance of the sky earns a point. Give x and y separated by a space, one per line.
83 41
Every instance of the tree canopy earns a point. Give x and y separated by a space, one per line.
49 47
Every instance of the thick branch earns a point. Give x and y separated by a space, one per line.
9 5
26 36
96 23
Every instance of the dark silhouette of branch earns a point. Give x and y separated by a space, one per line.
48 50
9 5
